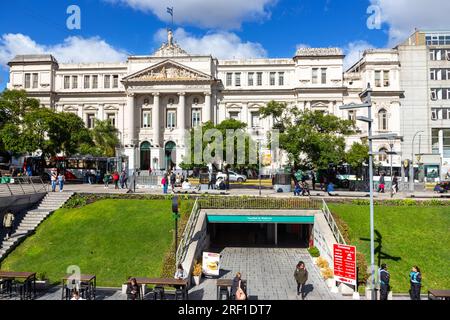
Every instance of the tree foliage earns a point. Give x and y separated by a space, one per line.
310 138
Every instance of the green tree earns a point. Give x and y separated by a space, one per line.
357 156
105 137
310 138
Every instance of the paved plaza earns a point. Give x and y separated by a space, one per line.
269 273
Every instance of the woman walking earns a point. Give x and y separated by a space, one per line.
61 180
416 283
116 178
165 183
301 276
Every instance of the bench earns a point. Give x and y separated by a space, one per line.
439 294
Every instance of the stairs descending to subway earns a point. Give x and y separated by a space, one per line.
32 219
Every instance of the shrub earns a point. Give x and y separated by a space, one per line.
314 252
409 202
76 201
362 266
327 273
322 263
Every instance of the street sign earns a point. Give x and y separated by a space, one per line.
344 260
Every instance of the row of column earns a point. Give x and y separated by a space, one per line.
156 113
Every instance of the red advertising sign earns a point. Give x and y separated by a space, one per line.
344 260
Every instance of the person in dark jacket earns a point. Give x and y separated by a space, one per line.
416 282
301 276
384 277
132 289
313 180
173 179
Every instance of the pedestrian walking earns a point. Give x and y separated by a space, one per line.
305 188
123 179
8 222
394 185
106 179
173 179
301 276
381 184
164 183
115 177
61 180
313 180
53 179
297 189
416 283
384 277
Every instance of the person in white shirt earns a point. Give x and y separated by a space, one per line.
180 274
186 185
76 295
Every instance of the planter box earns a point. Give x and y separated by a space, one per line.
196 280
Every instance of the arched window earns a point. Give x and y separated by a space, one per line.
382 120
382 157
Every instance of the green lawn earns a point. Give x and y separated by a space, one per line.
409 236
113 239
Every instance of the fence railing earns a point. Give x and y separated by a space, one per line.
188 233
23 185
332 223
260 203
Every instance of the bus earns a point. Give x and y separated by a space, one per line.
76 168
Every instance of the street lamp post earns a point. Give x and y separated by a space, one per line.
411 168
259 165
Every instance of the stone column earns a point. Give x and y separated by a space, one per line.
155 120
207 109
101 112
244 115
130 112
441 143
181 114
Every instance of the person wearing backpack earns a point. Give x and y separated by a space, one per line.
301 276
8 221
384 277
416 282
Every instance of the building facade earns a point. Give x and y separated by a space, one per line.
153 99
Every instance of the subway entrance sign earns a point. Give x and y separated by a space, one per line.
344 261
260 219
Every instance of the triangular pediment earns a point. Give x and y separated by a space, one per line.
167 70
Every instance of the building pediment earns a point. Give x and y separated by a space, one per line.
168 71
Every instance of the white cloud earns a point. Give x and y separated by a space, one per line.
302 46
222 45
353 52
403 16
73 49
220 14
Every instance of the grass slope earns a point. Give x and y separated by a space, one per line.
409 236
113 239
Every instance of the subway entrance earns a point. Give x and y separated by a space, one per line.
283 235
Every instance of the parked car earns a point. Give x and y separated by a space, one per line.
234 177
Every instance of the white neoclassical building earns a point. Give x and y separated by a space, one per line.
153 99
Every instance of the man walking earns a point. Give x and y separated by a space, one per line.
8 221
384 281
301 276
53 179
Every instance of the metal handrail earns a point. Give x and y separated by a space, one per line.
28 185
187 234
332 223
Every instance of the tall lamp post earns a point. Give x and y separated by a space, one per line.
411 168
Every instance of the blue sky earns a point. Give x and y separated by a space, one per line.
111 29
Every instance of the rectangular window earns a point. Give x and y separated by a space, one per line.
444 114
234 115
107 81
35 80
250 79
115 81
196 117
433 74
146 119
314 75
272 78
433 114
74 82
323 75
229 79
111 117
171 119
255 119
386 78
27 80
90 117
444 94
434 95
281 78
377 78
87 80
94 82
237 79
259 79
66 82
432 55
